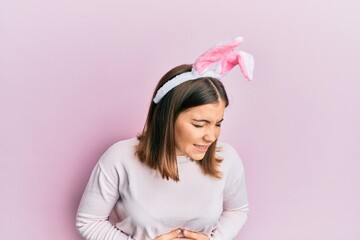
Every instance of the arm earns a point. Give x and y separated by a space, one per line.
230 223
235 206
99 198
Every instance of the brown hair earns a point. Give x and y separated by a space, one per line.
156 146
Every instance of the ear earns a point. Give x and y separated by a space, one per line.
216 54
243 59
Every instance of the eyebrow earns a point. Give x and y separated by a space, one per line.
206 121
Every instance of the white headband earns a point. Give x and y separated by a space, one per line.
221 59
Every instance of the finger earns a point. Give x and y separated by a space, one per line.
170 235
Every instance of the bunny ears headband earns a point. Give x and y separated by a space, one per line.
215 63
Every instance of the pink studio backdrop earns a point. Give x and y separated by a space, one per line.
76 76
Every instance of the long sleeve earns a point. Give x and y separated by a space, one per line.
99 198
154 206
235 205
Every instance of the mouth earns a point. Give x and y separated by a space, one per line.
201 148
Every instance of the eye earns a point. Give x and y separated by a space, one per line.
218 125
198 126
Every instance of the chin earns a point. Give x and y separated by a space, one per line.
197 157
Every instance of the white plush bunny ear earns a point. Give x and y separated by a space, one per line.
243 59
216 54
247 63
224 59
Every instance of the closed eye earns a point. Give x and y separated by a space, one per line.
218 124
198 126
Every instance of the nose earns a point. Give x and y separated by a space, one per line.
210 134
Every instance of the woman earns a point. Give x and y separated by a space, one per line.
174 180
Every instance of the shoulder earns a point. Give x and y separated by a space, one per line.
227 151
124 146
118 153
230 157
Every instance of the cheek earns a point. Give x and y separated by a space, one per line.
218 132
190 135
183 135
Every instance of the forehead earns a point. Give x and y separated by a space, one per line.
211 112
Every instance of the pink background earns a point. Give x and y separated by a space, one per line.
76 76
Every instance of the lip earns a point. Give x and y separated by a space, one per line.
201 148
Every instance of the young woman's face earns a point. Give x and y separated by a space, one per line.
197 128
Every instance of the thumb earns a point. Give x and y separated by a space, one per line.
175 233
171 235
190 234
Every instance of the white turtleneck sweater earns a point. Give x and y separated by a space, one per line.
152 206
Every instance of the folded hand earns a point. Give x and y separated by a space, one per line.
179 234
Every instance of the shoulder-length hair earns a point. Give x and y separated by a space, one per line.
156 146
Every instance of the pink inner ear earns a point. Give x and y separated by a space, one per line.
216 54
229 63
238 59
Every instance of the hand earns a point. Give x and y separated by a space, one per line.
179 234
194 235
173 235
